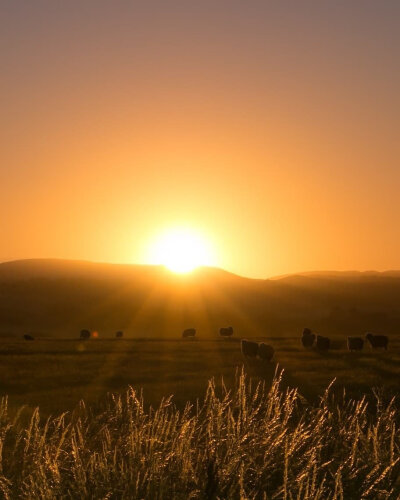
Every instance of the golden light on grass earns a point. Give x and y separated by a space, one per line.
181 250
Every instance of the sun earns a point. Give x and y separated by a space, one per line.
181 250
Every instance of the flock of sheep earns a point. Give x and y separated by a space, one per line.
310 339
249 348
266 352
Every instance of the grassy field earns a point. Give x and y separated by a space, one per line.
253 442
236 441
55 374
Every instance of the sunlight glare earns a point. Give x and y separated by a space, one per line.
181 251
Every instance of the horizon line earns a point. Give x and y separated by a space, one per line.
271 277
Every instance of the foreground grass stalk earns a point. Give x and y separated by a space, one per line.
252 442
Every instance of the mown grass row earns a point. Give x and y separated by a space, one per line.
250 443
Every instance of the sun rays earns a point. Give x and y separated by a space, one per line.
181 250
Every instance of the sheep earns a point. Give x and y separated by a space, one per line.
189 333
119 334
226 332
377 341
249 348
355 343
323 343
308 338
265 351
28 337
85 334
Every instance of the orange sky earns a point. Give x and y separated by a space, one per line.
271 127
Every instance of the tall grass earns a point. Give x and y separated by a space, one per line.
250 443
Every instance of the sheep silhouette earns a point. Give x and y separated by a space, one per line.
189 333
85 334
249 348
226 332
355 343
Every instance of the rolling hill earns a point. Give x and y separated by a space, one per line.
59 297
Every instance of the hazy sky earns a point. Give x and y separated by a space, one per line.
270 127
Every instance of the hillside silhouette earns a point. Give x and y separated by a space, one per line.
53 297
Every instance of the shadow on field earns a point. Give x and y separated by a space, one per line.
264 371
356 361
311 370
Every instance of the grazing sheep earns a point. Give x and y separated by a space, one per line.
377 341
249 348
265 351
28 337
308 338
226 332
85 334
189 333
119 334
323 343
355 343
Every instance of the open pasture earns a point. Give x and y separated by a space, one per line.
55 374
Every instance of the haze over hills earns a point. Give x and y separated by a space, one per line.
340 274
59 297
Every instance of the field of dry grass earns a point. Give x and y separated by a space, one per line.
286 439
55 374
251 442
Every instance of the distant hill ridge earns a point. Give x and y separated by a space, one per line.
29 267
59 297
42 267
340 274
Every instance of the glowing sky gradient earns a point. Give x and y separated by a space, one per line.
272 127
